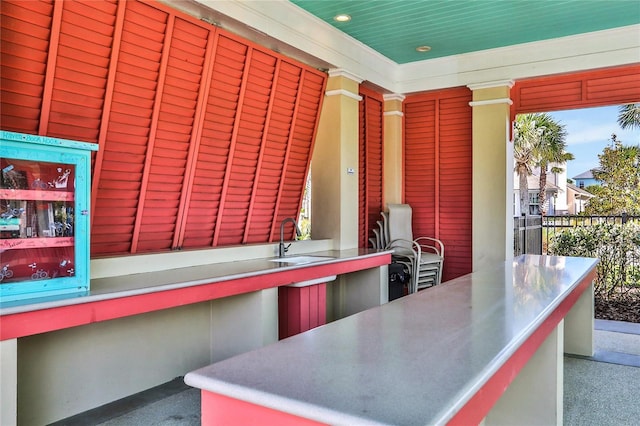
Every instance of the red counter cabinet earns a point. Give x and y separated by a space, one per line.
44 217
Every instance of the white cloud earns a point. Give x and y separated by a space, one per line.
589 135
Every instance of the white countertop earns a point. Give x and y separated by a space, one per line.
150 282
414 361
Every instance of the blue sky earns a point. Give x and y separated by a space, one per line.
588 132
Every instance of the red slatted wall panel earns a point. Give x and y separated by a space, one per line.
362 175
272 152
215 144
420 163
175 119
296 165
25 29
79 79
249 128
612 86
370 164
204 137
124 153
455 155
438 158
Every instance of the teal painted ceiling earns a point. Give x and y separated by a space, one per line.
395 28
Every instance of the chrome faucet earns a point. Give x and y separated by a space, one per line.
282 249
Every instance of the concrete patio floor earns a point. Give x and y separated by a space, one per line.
601 390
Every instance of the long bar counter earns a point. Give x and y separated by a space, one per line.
484 347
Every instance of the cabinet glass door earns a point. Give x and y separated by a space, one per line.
36 220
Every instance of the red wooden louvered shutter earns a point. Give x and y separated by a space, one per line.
26 30
297 159
271 164
438 159
420 163
205 138
215 143
174 116
363 230
455 183
249 127
370 164
118 191
74 110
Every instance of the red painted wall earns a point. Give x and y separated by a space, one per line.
437 172
611 86
371 133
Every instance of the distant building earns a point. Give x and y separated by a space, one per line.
585 179
577 199
562 198
555 196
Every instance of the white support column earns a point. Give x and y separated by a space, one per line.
334 167
492 174
9 382
393 160
535 397
579 324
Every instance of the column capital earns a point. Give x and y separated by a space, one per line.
491 84
393 97
341 72
491 102
393 104
343 92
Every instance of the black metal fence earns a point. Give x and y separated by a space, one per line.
532 234
527 235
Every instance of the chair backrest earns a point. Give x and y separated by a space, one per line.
400 222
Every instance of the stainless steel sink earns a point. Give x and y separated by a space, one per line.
301 260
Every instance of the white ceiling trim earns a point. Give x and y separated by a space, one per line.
620 46
324 44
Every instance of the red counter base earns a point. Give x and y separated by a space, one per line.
221 410
301 309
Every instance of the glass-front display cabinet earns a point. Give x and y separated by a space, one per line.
44 217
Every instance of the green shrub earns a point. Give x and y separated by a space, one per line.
618 248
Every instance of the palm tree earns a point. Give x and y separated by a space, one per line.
629 116
538 142
552 149
525 138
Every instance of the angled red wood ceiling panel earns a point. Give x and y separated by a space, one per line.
25 29
204 137
303 127
243 166
215 142
120 185
299 147
175 117
77 75
217 145
276 137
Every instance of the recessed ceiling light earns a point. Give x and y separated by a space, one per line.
423 48
342 18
